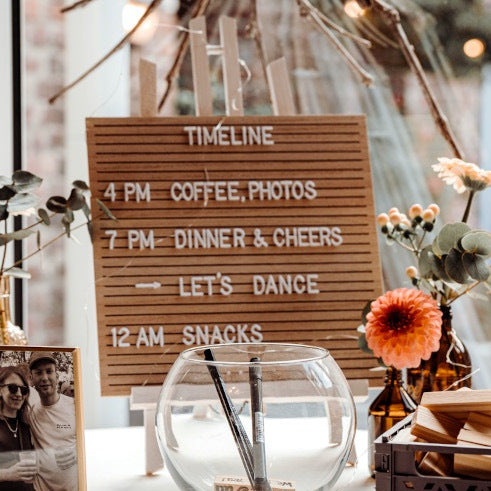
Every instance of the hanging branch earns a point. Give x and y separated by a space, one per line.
377 36
181 53
74 5
393 19
307 9
337 28
254 32
151 7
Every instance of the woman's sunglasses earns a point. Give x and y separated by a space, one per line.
13 388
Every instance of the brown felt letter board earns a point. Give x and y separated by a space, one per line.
230 229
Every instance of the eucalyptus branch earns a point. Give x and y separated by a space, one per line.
181 53
307 10
151 7
468 206
377 36
393 19
468 289
39 249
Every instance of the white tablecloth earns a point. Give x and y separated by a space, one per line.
116 461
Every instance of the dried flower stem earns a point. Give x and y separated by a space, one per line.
152 6
74 5
468 206
377 36
181 53
468 289
393 19
308 10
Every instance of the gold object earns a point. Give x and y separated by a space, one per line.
10 333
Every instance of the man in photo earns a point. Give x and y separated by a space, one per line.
52 421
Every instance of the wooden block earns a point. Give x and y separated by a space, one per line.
479 422
280 88
200 66
436 464
232 483
457 401
435 427
231 68
148 88
474 437
473 465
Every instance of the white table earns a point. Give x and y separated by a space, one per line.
116 462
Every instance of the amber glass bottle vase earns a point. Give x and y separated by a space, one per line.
392 405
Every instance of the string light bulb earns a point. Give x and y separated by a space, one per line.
131 14
353 9
474 48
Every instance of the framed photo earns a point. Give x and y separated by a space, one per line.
41 420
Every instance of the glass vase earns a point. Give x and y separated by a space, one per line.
392 405
10 333
307 407
446 367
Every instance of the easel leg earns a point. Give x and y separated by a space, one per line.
153 459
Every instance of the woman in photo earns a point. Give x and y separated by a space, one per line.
17 458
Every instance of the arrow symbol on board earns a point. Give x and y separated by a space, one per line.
154 285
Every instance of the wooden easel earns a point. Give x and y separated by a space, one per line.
145 398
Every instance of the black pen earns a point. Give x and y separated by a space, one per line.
258 445
240 436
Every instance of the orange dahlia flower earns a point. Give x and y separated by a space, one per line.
404 327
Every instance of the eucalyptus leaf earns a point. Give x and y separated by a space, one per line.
6 192
17 273
106 210
365 312
427 262
56 204
25 181
450 234
4 214
440 271
454 267
44 216
82 185
76 199
86 210
68 217
21 202
478 241
475 266
67 227
90 229
363 345
17 235
436 248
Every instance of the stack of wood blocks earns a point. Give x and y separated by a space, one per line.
461 417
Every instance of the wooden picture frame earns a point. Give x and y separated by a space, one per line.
41 432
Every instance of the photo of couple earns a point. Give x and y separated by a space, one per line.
37 422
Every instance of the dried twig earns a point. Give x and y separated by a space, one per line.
151 7
74 5
181 53
393 19
254 32
307 9
337 28
377 36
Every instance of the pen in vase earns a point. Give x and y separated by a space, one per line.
258 444
238 432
